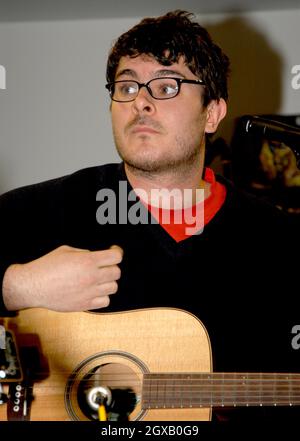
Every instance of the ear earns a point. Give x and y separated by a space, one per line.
216 111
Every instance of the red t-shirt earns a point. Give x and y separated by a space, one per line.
182 223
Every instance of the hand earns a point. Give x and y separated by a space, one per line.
66 279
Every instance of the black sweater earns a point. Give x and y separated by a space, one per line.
237 276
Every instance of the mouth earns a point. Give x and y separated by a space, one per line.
143 129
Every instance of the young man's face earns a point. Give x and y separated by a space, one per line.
158 135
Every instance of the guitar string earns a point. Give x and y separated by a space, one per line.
230 389
191 376
283 382
208 401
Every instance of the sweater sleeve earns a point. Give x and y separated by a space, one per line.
28 224
8 238
15 231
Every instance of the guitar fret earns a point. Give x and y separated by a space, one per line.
275 388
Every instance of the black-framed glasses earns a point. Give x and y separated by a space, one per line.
162 88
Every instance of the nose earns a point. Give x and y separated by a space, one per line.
144 103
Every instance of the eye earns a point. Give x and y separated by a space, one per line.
164 88
126 88
167 89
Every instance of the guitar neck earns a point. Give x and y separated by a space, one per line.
189 390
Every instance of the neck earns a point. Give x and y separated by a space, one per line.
210 389
175 181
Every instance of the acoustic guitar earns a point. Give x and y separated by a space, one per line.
148 364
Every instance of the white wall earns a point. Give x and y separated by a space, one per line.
54 113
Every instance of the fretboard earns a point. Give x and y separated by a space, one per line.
189 390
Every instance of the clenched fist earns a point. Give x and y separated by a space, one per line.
66 279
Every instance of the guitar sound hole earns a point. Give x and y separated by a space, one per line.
111 384
116 385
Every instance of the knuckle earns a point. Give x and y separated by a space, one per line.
117 272
109 274
99 302
62 248
105 301
108 288
113 287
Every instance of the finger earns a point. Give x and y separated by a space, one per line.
112 256
99 302
102 300
108 288
108 274
117 247
118 250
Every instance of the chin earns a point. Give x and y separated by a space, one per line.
139 159
153 166
144 166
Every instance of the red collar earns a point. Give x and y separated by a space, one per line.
182 230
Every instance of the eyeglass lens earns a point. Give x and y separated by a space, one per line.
159 88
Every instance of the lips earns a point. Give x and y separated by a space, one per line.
143 125
143 129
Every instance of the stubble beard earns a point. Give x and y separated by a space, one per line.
177 164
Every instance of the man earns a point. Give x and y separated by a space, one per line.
66 244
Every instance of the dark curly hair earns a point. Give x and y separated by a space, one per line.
169 37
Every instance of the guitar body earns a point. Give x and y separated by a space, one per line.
116 349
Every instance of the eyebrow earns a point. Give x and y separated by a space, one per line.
160 73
